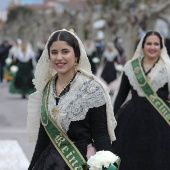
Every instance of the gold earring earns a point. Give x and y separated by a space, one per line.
75 66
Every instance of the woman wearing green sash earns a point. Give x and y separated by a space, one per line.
142 108
74 107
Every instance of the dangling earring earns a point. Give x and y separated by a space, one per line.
75 66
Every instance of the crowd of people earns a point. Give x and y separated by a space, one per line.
72 114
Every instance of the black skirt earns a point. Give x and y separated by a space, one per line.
109 72
24 76
143 137
50 159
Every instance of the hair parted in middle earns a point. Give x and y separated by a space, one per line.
68 38
152 33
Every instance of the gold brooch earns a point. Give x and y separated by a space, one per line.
54 111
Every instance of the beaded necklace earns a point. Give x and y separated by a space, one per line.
65 89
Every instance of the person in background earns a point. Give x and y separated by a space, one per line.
11 59
70 100
100 43
167 45
22 80
142 108
118 42
91 53
4 51
109 58
40 48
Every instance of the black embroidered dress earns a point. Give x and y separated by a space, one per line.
143 136
91 129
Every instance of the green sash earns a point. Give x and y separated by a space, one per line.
62 143
150 94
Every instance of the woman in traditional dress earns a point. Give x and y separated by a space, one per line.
74 107
22 80
143 131
91 53
109 58
11 59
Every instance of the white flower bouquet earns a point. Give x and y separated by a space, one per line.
104 160
14 69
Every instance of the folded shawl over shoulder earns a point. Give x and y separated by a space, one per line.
44 73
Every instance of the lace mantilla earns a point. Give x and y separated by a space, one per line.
158 77
33 118
84 94
44 73
163 56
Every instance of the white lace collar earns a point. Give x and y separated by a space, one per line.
84 94
158 76
24 57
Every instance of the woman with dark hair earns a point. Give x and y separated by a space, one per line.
167 45
142 108
73 105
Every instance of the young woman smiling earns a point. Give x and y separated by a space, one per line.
142 108
74 107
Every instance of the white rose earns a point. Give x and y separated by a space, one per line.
14 69
101 158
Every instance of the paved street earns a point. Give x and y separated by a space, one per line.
15 148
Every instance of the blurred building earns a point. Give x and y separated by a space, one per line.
46 6
31 2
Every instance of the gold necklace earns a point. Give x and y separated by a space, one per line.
55 110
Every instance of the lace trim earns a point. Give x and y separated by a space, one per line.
44 72
74 105
158 77
33 118
163 55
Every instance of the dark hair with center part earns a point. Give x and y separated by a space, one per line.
68 38
152 33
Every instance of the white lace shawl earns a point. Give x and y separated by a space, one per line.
44 73
158 77
84 94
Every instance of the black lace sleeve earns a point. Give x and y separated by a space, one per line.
122 93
